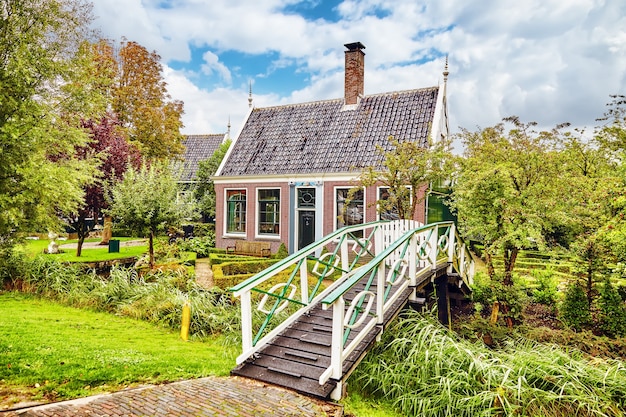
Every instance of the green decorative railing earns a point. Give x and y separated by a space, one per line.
388 256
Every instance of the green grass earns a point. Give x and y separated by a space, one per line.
52 352
35 247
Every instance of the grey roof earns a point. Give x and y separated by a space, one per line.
198 148
325 137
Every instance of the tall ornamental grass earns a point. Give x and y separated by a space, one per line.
425 370
156 297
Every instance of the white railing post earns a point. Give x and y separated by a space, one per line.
336 350
304 282
434 240
413 264
381 281
345 257
462 261
451 243
246 321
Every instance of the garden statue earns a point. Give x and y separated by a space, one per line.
53 247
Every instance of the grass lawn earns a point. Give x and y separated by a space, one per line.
50 352
35 247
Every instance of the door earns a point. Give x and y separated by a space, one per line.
306 228
306 217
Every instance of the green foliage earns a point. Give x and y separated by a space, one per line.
205 190
612 317
506 193
157 297
282 252
408 167
147 201
486 291
200 245
546 291
42 102
574 310
426 370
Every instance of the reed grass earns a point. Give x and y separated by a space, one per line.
425 370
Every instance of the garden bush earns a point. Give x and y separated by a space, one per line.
574 310
612 312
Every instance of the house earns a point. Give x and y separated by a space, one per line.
198 148
286 177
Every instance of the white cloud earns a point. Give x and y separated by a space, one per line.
543 60
212 64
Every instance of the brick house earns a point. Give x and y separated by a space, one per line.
286 176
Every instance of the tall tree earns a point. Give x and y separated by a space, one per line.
506 191
151 119
147 201
41 107
116 155
204 192
407 171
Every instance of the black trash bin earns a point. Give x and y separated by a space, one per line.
114 246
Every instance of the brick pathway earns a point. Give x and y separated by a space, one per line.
210 396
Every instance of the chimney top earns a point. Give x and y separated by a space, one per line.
354 46
354 76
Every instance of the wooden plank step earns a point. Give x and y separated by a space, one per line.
301 355
302 385
285 371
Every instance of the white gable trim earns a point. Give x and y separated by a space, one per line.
232 145
440 126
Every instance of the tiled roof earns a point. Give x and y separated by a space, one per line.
325 137
198 148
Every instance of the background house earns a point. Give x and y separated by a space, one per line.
286 176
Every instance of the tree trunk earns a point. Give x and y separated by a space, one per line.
151 249
81 231
107 230
79 246
510 256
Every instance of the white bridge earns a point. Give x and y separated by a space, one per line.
308 320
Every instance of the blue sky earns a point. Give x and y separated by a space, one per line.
548 61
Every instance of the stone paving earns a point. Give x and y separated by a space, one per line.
212 396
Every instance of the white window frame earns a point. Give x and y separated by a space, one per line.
227 213
335 208
257 214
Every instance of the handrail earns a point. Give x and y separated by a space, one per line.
339 291
289 260
412 256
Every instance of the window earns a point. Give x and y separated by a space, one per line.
350 208
236 211
269 212
388 209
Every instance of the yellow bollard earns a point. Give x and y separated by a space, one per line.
186 321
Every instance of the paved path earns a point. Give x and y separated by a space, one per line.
202 397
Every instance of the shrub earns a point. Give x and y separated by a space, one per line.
612 317
574 309
202 246
282 252
547 287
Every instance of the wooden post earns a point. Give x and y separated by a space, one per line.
443 300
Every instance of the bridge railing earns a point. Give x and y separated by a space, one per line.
297 282
406 262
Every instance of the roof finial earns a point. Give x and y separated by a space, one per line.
228 131
445 71
250 95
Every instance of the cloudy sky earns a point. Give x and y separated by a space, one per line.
549 61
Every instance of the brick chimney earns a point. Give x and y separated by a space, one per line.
355 69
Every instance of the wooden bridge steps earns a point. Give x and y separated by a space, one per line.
301 353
